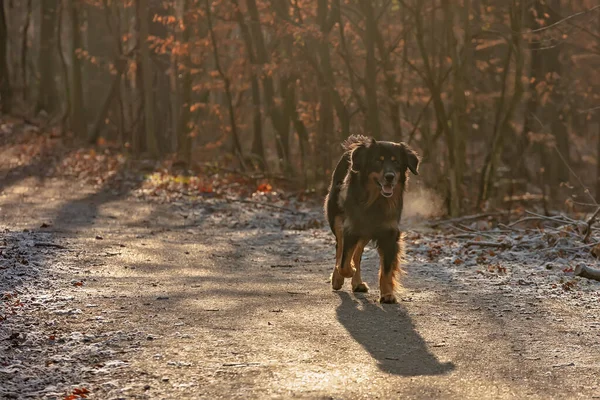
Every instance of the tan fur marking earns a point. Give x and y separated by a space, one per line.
358 251
342 195
347 270
388 283
373 189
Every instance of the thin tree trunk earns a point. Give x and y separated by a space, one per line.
328 94
262 56
161 95
598 159
504 116
24 48
258 150
433 83
236 141
78 123
5 90
598 142
47 97
346 56
65 69
184 140
372 124
112 92
391 84
149 123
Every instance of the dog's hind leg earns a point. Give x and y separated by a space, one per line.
390 250
357 284
337 280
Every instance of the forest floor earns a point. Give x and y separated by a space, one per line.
115 292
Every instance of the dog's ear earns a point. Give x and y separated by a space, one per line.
412 159
358 155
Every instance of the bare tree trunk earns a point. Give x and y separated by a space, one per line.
113 91
372 120
237 147
598 143
24 48
328 94
78 123
554 114
184 140
504 116
65 69
161 95
5 90
151 141
391 84
598 159
434 81
346 56
258 150
278 120
48 96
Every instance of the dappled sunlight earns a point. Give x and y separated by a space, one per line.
171 172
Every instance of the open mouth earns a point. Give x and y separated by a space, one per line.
387 189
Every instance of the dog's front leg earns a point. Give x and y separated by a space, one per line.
389 253
357 284
337 280
345 267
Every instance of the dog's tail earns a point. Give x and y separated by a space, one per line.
354 141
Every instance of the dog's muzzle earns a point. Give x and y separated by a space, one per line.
387 187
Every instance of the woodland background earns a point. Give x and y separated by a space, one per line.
501 98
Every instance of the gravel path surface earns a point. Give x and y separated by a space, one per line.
113 296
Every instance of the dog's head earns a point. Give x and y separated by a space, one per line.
384 163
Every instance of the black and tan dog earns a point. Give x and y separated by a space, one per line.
365 203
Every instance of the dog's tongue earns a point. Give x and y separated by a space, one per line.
387 190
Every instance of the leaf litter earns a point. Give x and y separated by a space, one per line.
42 357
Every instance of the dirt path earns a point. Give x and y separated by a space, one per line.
150 301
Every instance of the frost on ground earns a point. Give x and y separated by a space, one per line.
40 357
45 352
187 288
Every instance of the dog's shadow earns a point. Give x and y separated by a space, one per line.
388 334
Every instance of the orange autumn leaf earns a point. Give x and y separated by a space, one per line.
264 187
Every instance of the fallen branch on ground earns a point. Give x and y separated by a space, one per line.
587 272
540 218
246 201
465 218
488 244
590 222
44 244
257 176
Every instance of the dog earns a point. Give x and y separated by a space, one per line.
364 204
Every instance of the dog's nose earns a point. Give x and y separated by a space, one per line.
389 176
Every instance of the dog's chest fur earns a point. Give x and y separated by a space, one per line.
366 212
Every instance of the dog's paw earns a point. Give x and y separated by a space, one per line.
337 281
361 288
347 272
388 299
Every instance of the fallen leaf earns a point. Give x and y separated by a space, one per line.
264 187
